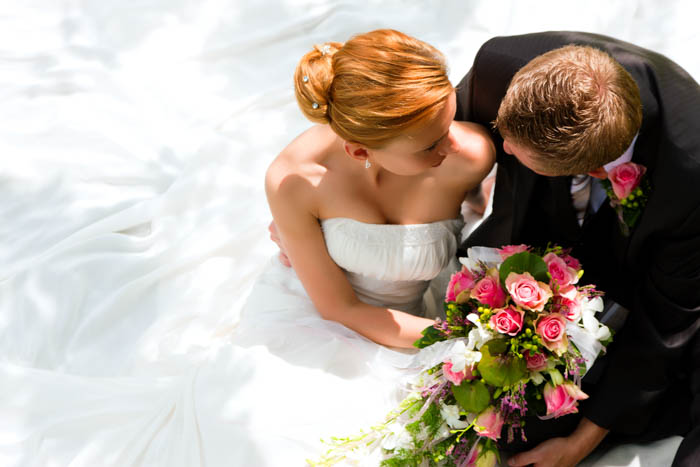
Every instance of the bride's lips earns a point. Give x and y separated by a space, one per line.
439 162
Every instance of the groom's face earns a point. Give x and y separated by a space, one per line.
526 156
530 159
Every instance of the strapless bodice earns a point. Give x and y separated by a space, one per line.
390 264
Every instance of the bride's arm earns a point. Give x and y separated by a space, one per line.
291 202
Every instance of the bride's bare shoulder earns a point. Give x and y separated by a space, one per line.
300 165
477 153
306 151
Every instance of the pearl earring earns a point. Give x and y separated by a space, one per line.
367 164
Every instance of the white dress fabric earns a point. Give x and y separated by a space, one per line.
265 394
134 140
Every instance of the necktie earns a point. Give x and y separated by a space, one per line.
580 193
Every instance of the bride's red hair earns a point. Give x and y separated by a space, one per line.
374 87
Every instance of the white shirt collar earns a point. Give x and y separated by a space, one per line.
625 157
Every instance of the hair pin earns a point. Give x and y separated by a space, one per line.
305 79
326 49
314 105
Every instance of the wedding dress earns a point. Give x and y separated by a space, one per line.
267 393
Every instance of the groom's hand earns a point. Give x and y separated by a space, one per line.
275 237
555 452
563 452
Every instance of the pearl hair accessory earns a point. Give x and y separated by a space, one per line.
325 49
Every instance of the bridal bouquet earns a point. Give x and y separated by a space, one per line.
519 335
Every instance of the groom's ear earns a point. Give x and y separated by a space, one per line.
356 151
600 173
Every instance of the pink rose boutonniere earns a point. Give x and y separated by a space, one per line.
628 189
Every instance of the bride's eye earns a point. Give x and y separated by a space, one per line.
431 147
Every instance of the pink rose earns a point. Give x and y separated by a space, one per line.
527 292
535 362
510 250
625 178
568 303
552 329
562 399
489 423
561 273
507 321
571 262
456 377
489 292
461 281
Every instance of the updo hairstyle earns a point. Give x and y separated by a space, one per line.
374 87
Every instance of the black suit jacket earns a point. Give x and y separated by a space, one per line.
648 386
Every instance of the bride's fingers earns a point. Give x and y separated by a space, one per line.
284 260
274 236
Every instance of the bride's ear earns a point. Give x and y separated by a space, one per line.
356 151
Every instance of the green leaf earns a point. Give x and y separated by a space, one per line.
498 368
496 346
430 336
472 396
524 262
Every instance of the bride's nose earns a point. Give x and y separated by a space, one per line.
448 146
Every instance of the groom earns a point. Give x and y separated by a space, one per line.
567 121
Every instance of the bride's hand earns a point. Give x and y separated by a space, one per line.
478 198
274 236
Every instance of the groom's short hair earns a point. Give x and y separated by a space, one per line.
576 107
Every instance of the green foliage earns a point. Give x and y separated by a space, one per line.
524 262
438 453
414 428
609 340
456 312
472 396
432 419
403 458
499 369
430 336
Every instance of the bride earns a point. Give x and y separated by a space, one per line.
375 190
367 206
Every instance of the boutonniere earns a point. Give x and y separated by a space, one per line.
628 190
